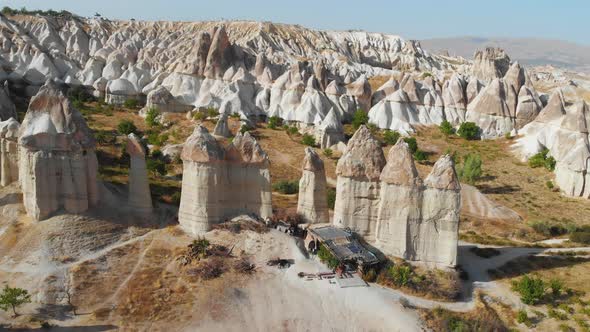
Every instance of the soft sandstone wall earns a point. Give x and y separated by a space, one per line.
140 199
8 152
57 162
392 208
312 203
219 184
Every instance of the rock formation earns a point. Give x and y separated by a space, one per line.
7 108
490 63
140 198
392 208
330 131
57 162
357 187
312 203
221 127
8 151
219 183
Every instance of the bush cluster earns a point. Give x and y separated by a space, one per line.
151 118
126 127
275 122
327 258
308 140
468 131
542 159
446 128
359 118
470 171
390 137
286 187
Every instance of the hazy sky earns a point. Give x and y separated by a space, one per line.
416 19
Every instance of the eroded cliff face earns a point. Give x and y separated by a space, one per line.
312 203
8 151
393 209
140 198
219 184
57 162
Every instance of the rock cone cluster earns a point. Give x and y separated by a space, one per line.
57 162
220 183
387 203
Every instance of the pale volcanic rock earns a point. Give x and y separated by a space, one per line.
385 90
455 99
400 201
119 91
8 151
529 106
357 188
473 88
57 162
312 203
219 184
490 112
330 131
221 127
162 100
7 108
140 198
490 63
360 89
436 235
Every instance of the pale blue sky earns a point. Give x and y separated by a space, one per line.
416 19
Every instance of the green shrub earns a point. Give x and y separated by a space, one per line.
412 144
328 153
126 127
131 103
420 155
359 118
292 130
286 187
468 131
556 286
400 274
531 289
542 159
327 258
550 184
446 128
547 229
308 140
155 139
580 237
523 318
274 122
155 163
244 128
331 197
151 118
211 112
390 137
556 314
199 116
470 171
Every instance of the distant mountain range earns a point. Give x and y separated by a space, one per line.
530 51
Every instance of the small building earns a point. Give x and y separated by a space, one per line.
341 243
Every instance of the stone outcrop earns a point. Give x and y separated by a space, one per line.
162 100
219 183
330 131
221 127
57 162
312 203
392 208
140 198
490 63
8 151
357 187
7 108
563 131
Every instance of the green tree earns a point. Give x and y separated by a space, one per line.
151 118
126 127
286 187
446 128
470 172
274 122
13 298
359 118
412 144
328 153
400 274
542 159
468 131
308 140
327 257
390 137
531 289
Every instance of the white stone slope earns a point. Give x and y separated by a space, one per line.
563 130
57 162
140 198
219 184
8 151
312 204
